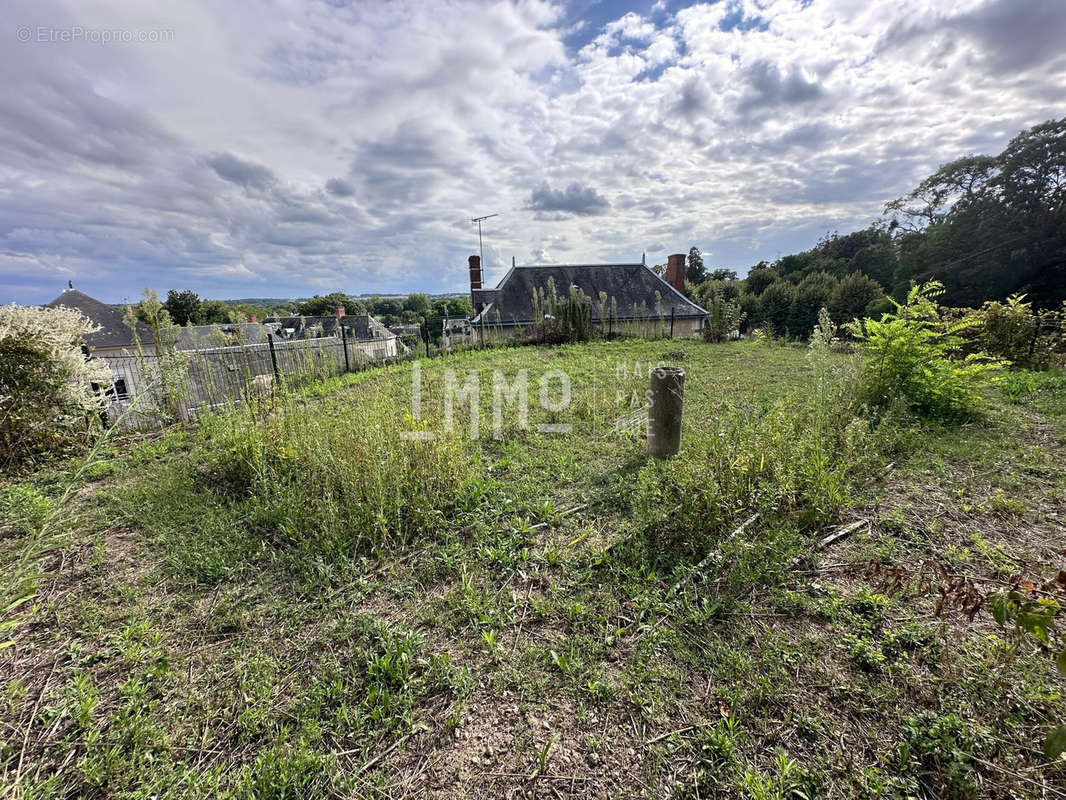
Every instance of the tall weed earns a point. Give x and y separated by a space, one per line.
339 475
798 456
914 360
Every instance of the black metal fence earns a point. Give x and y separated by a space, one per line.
643 324
148 391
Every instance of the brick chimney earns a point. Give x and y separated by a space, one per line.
340 311
253 319
475 272
475 281
675 271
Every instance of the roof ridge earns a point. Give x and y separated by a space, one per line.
563 266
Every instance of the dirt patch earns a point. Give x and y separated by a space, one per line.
495 753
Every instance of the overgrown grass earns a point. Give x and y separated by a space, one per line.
294 600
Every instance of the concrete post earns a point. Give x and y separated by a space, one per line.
666 399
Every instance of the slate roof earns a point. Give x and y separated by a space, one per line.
632 286
360 326
113 331
201 337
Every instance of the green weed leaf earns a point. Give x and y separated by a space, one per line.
1055 744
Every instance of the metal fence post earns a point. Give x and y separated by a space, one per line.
273 358
344 344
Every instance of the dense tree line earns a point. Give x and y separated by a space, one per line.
185 307
409 310
986 227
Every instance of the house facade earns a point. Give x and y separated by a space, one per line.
625 298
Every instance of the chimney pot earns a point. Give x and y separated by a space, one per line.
675 271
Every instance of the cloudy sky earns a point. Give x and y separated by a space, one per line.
251 149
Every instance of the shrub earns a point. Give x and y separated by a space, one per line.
812 293
776 303
1017 333
708 290
751 307
914 358
724 313
852 296
48 401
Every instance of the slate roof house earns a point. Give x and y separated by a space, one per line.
371 337
114 337
637 297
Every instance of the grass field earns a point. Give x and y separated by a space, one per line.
298 600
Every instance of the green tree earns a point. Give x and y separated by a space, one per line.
812 293
386 307
990 226
776 303
453 307
214 312
877 261
183 306
759 277
695 272
327 305
707 291
722 274
751 306
416 302
797 265
852 296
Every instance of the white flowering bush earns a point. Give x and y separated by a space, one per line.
47 402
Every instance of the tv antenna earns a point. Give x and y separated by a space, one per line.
480 244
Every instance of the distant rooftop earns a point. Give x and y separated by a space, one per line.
113 330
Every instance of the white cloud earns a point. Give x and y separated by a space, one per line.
294 149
